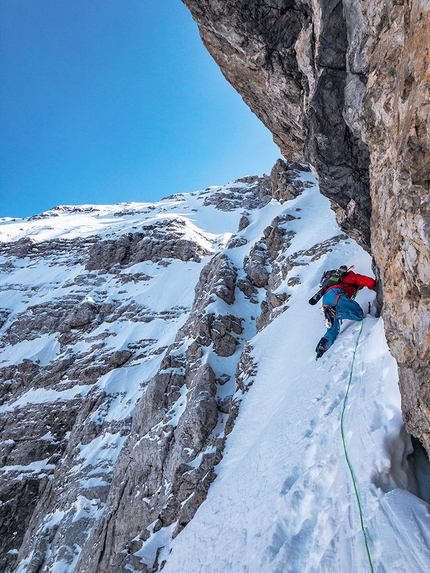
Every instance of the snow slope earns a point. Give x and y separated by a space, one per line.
283 499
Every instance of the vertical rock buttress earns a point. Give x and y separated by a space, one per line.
344 85
397 110
287 59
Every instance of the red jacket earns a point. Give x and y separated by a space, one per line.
351 282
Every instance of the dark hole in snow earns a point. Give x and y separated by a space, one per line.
406 466
420 469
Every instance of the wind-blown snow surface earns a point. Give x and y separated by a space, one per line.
283 499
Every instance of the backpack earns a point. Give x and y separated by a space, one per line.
331 277
328 279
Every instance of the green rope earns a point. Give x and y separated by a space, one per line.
351 471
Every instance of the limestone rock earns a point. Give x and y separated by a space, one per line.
243 223
248 289
217 278
84 314
236 241
55 249
396 114
120 357
288 60
344 86
167 463
218 331
41 444
165 489
255 265
163 240
285 180
247 192
265 267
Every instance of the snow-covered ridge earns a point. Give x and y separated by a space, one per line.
157 355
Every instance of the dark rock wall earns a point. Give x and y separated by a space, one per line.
397 109
344 85
288 61
167 465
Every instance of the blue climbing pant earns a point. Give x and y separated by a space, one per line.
346 309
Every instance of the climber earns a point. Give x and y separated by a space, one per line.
338 288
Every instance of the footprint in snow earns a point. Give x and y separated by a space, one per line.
333 404
303 523
312 425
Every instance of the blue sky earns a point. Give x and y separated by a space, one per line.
104 101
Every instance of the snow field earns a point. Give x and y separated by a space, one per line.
283 497
283 501
167 294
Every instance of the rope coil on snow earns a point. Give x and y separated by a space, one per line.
351 471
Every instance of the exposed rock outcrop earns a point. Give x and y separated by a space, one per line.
75 441
163 240
54 404
345 86
250 192
167 463
396 115
285 180
288 60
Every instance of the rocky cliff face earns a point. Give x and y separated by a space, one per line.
147 350
397 110
344 85
123 361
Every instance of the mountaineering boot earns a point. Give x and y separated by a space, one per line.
329 315
322 346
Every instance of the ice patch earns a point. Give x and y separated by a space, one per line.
42 350
42 395
35 467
